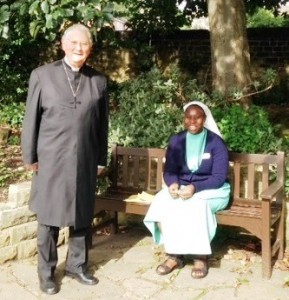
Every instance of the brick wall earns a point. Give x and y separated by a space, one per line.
269 48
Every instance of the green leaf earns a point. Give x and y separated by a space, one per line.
108 8
4 31
65 2
50 36
35 27
4 14
96 2
57 14
23 9
68 12
88 14
109 17
33 9
45 7
49 21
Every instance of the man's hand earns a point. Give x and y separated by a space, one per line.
32 167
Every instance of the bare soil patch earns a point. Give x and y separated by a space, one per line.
12 169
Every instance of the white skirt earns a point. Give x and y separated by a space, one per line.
188 226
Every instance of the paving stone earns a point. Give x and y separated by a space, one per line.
125 266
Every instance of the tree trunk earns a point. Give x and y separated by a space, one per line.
229 47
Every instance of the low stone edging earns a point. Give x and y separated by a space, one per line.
18 225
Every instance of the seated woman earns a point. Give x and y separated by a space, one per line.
182 214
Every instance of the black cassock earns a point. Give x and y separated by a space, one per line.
67 136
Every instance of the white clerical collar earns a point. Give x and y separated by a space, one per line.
72 68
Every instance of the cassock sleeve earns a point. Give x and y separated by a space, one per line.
103 125
31 122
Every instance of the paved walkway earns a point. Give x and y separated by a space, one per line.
125 266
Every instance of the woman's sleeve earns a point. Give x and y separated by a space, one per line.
171 168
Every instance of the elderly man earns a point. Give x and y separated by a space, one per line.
64 141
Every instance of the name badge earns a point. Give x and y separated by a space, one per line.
206 156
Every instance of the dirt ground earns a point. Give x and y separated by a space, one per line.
12 169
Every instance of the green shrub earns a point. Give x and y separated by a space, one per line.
147 112
12 114
247 131
265 18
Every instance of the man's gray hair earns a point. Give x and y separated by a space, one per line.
78 27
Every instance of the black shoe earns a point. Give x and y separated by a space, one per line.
84 277
48 285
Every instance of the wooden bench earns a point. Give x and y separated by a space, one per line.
257 202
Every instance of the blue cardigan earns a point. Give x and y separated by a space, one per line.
213 170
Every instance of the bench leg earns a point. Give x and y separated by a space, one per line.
114 224
266 259
266 243
281 235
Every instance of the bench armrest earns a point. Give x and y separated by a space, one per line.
272 190
104 173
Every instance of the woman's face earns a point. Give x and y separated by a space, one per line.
194 119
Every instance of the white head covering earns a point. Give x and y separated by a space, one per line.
210 121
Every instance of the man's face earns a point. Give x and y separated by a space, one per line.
76 46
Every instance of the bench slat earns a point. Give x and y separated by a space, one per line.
265 176
251 180
136 167
237 179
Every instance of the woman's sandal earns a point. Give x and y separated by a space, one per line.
164 269
201 270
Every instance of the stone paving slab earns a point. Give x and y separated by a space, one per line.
125 266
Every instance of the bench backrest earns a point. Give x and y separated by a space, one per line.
250 174
137 169
140 169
